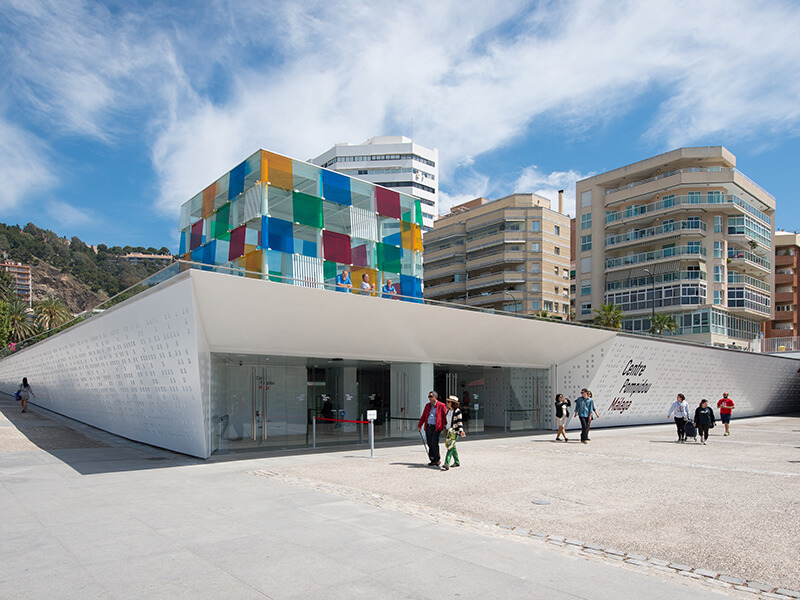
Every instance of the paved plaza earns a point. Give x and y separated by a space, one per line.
630 515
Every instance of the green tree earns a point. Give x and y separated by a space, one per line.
7 284
608 315
662 323
20 316
5 323
51 312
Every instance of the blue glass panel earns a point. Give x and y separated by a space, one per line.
210 252
412 286
182 248
197 254
336 187
276 234
236 181
309 249
395 239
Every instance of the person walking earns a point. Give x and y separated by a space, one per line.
562 415
681 410
584 407
25 392
725 406
454 431
703 420
434 417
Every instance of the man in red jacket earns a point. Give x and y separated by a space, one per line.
433 418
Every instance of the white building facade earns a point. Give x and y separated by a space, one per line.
394 162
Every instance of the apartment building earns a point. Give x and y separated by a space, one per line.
22 279
684 233
510 254
393 162
787 252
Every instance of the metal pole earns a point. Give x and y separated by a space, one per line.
360 433
505 421
372 439
314 432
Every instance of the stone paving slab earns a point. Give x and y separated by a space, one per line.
254 528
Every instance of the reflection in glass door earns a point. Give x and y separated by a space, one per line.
258 405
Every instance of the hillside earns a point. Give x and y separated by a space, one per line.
71 270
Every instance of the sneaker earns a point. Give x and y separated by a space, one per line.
584 442
703 442
456 465
445 467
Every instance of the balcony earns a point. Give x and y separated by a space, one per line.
729 202
435 271
445 289
748 262
495 239
443 253
695 252
663 230
784 315
785 260
784 279
784 297
495 258
739 278
494 279
647 281
493 298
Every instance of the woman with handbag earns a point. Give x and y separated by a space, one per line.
681 409
24 393
703 420
562 415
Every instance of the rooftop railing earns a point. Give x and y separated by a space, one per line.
688 200
639 182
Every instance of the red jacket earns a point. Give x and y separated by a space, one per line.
441 415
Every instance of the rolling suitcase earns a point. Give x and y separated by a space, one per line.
690 430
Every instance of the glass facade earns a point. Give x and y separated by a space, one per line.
272 216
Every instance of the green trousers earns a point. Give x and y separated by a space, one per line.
452 453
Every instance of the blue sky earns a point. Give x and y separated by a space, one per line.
112 114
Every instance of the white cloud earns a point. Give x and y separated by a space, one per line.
24 166
67 215
532 179
208 88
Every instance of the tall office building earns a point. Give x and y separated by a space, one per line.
394 162
787 292
510 254
683 233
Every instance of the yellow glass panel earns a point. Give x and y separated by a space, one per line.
279 169
253 263
357 273
208 199
416 237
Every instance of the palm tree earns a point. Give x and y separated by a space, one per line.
662 323
51 312
22 323
608 315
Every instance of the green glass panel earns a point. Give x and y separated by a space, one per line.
389 257
329 270
222 220
407 217
418 213
307 209
276 276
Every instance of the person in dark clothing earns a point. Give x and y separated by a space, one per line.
434 418
562 415
703 420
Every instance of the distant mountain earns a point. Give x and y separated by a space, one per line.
80 275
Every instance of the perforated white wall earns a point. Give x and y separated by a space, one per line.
132 370
634 380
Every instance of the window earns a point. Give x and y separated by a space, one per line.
565 273
556 229
536 268
717 223
557 252
695 197
586 221
694 247
586 308
586 287
714 198
548 305
556 290
717 297
555 270
718 250
586 198
535 305
535 247
668 200
535 226
586 242
586 265
719 273
535 287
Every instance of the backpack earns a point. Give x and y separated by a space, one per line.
16 395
